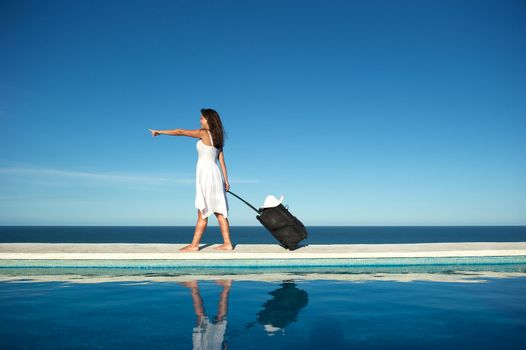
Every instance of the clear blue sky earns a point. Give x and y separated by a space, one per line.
371 112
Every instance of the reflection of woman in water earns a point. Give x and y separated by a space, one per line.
209 334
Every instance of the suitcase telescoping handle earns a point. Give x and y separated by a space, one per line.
244 201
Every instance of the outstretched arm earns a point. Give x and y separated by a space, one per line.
223 169
198 133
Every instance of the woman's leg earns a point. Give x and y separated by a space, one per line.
196 298
222 308
225 232
200 227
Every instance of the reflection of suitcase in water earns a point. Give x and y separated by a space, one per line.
284 226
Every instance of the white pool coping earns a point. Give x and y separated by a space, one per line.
148 251
464 277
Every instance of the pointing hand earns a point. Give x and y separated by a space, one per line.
154 132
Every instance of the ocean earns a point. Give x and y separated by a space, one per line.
259 235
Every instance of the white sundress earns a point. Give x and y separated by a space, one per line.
210 194
209 335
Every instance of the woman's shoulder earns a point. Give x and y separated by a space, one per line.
203 132
207 136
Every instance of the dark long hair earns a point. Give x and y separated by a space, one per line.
216 127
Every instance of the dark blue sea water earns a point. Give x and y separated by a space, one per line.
286 314
258 234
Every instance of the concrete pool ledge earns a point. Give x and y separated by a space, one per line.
259 252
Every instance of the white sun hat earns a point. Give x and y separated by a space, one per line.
270 329
272 201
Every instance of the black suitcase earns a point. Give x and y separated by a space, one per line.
284 226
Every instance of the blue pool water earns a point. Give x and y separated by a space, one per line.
292 312
441 304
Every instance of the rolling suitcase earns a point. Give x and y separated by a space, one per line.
284 226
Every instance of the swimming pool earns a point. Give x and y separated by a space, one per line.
480 306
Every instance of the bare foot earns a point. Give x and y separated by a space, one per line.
224 247
189 248
224 283
189 284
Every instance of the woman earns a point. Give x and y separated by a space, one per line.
211 187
